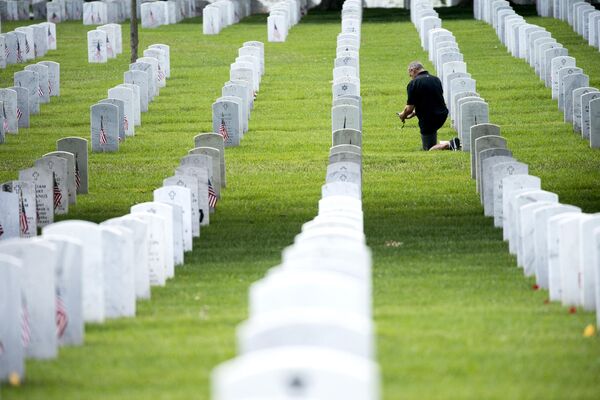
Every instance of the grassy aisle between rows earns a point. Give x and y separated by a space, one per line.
455 317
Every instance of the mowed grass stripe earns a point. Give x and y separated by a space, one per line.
456 318
274 181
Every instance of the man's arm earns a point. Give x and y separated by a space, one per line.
407 113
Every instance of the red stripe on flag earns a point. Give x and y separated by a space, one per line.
62 320
212 196
25 329
223 130
56 194
23 219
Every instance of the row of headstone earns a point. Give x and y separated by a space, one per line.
553 242
93 272
104 12
14 10
44 190
223 13
157 13
579 102
114 119
33 86
315 305
58 11
231 111
346 72
104 42
27 43
582 16
283 15
465 105
79 271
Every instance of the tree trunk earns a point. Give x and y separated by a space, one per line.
133 26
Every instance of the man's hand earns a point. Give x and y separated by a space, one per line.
407 113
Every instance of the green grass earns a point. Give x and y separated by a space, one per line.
455 317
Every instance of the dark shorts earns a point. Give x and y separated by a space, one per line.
429 126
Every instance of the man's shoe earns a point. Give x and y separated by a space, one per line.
455 144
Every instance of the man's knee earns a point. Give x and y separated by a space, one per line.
429 140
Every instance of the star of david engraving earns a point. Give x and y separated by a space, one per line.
345 87
36 175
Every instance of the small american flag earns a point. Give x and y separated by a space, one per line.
62 320
19 113
103 139
223 130
49 87
40 91
23 218
77 174
5 122
98 54
125 123
161 74
6 51
212 195
27 48
109 49
1 230
50 37
19 55
25 329
56 192
276 32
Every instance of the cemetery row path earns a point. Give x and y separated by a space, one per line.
455 317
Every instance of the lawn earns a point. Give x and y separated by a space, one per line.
455 316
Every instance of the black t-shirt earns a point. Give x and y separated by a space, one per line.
425 92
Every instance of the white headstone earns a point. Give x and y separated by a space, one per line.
38 284
181 197
93 278
172 241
